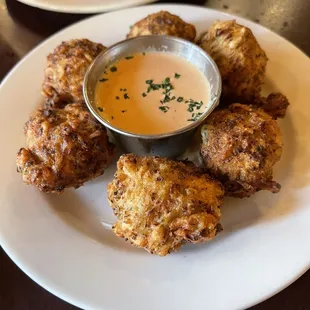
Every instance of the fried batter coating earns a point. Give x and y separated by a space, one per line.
239 57
66 147
65 70
161 203
275 105
163 23
240 146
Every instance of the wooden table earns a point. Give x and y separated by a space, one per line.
23 27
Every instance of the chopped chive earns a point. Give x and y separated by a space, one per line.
113 69
190 109
167 80
143 94
103 80
155 86
126 96
100 109
149 89
195 117
176 75
129 57
117 97
164 109
149 81
180 99
173 97
125 89
123 111
166 99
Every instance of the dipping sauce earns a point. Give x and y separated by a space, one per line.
152 93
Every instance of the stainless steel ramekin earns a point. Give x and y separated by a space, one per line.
170 144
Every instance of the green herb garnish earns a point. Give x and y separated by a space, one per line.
176 75
100 109
143 94
103 80
113 69
143 53
155 86
164 109
195 117
123 111
180 99
129 57
117 97
149 81
126 96
166 98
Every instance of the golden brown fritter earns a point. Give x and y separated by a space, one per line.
275 105
66 147
239 57
161 203
163 23
240 146
65 70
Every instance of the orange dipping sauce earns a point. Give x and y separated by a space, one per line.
152 93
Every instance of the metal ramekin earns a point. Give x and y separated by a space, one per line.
170 144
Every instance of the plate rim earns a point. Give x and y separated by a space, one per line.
32 274
80 9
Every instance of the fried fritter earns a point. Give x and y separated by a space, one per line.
239 57
240 146
163 23
161 203
65 70
66 147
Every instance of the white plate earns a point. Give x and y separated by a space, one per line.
59 241
83 6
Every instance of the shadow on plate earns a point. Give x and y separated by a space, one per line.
75 212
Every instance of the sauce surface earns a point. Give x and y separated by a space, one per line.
152 93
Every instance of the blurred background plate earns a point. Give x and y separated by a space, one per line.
83 6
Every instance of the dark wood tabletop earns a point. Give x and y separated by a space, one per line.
23 27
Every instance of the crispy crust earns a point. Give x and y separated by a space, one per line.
163 23
161 203
239 57
65 70
275 105
240 146
66 147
